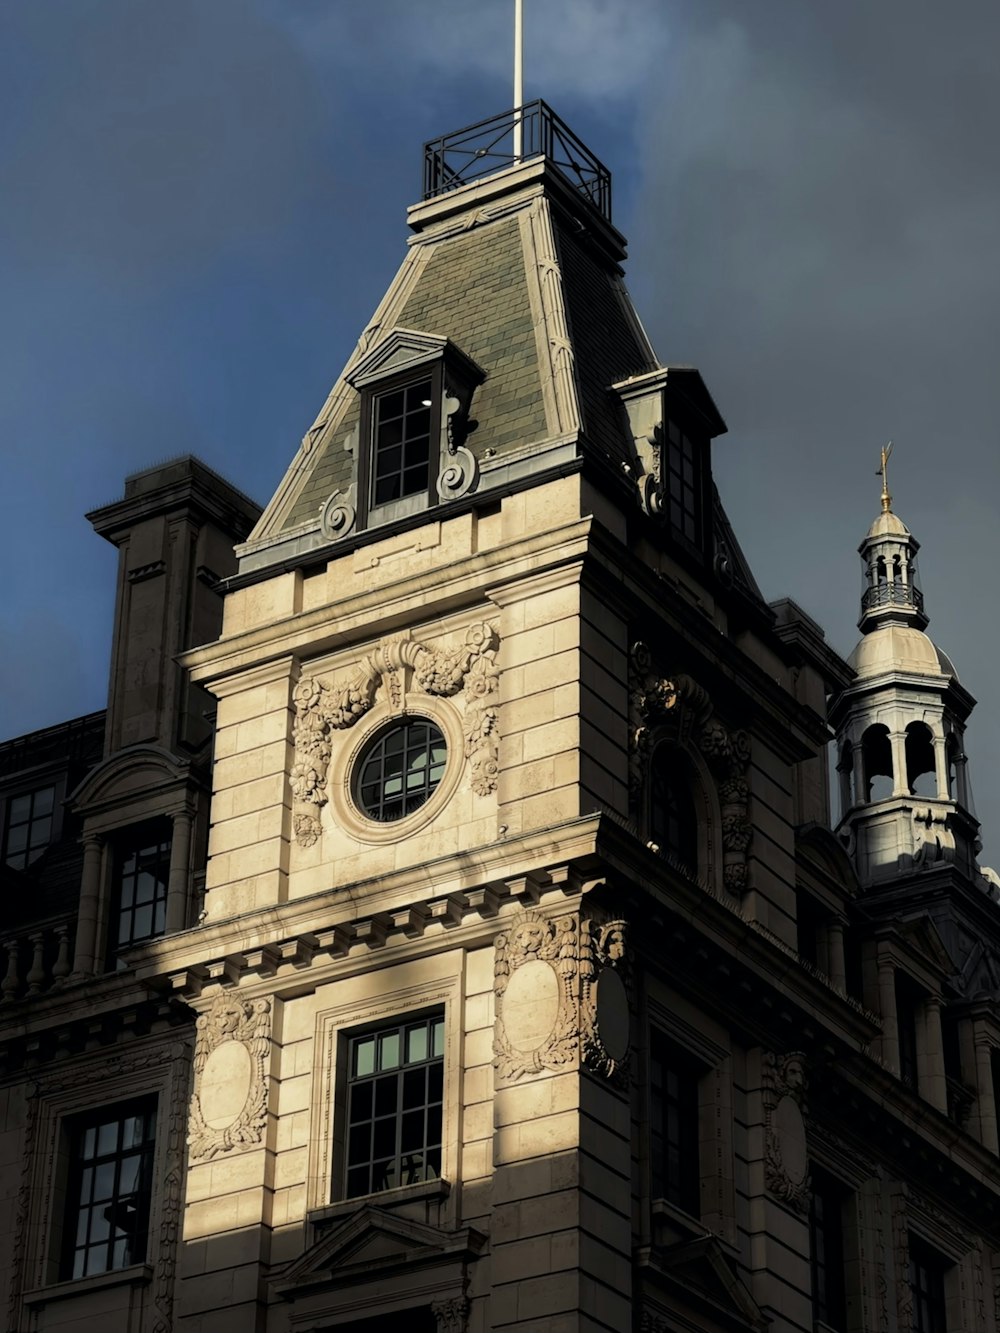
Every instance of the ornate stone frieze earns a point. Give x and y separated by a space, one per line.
562 997
396 665
786 1155
677 709
452 1314
901 1258
229 1105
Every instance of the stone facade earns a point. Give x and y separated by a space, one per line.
680 1060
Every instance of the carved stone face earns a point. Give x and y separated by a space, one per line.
528 937
614 943
795 1074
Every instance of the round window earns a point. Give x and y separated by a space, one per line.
399 769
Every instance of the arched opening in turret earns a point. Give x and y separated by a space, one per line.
876 762
897 578
880 574
921 776
845 770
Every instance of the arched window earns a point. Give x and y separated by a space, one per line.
880 569
876 762
673 818
921 777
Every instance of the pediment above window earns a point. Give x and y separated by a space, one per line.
695 1275
405 350
405 1263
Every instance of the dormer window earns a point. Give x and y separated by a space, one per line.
416 391
402 467
683 485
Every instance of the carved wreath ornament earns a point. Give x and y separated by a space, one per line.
786 1161
229 1106
679 710
395 665
562 996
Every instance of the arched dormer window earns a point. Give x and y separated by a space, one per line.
921 777
673 812
876 763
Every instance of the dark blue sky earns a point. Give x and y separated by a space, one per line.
204 201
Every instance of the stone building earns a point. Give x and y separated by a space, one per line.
446 927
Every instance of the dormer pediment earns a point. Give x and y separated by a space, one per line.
922 939
402 350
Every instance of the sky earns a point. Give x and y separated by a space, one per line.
204 201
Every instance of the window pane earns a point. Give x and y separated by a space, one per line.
388 1051
19 809
364 1056
416 1043
44 801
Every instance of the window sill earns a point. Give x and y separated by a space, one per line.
139 1275
429 1191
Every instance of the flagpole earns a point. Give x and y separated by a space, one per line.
518 78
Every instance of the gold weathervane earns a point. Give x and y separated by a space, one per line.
883 473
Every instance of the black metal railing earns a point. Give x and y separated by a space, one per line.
892 594
488 146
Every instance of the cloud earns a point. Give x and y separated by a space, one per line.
583 48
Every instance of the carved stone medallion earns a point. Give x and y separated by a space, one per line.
786 1155
562 997
229 1105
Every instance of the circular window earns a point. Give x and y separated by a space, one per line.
399 769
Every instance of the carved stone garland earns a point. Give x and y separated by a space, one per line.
679 710
786 1155
322 708
561 995
240 1121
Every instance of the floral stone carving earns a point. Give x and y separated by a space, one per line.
396 665
229 1105
679 710
786 1157
452 1314
562 997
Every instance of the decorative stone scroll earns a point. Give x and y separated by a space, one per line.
562 996
786 1154
395 665
679 710
229 1105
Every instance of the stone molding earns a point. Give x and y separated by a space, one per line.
396 666
547 981
786 1156
117 1077
248 1023
678 710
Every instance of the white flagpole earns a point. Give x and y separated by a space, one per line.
518 77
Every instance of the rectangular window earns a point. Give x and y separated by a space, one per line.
111 1173
401 442
908 1000
674 1076
684 500
927 1279
142 871
826 1232
395 1094
29 826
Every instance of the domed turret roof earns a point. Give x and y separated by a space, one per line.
899 648
888 524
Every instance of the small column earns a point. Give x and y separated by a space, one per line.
860 793
933 1085
897 739
941 767
85 953
985 1094
887 1007
836 966
177 881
